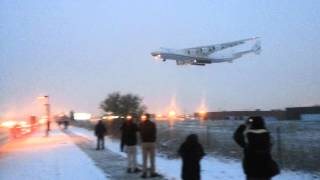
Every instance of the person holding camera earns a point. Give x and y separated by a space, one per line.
254 138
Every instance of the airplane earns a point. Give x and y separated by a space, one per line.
202 55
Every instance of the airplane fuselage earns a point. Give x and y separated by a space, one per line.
188 59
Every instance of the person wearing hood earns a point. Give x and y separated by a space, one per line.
254 138
191 152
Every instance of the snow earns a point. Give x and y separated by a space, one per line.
57 157
212 168
42 158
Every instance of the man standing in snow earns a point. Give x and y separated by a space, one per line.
148 133
129 131
100 131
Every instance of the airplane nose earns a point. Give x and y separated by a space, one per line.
154 54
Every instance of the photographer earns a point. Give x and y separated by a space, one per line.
254 138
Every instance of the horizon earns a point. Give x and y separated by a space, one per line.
79 52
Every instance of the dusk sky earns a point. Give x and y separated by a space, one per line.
79 51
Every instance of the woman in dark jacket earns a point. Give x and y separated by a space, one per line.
191 152
254 138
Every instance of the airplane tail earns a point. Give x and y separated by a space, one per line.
256 48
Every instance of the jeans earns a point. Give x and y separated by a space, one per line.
100 142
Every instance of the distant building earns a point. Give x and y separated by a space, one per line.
241 115
293 113
303 113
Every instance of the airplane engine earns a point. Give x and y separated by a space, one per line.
183 62
198 64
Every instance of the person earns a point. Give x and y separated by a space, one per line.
71 115
129 131
191 152
65 121
254 138
148 131
100 131
48 127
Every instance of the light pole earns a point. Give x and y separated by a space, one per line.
47 109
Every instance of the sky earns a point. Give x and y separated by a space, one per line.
79 51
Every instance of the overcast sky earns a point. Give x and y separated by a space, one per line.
78 51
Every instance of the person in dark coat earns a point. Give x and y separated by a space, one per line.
148 134
254 138
191 152
129 131
100 131
65 121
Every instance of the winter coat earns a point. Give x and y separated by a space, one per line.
148 131
191 153
257 161
129 133
100 129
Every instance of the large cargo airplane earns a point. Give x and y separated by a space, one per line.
203 55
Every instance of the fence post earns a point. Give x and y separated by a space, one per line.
208 136
279 149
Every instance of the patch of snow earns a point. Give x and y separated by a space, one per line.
53 157
212 168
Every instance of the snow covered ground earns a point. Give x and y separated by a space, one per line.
57 157
212 168
45 158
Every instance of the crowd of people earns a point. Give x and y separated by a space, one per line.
252 136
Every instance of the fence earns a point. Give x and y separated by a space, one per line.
295 144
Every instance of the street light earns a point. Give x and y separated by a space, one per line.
47 109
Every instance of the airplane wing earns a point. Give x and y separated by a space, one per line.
207 50
256 48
